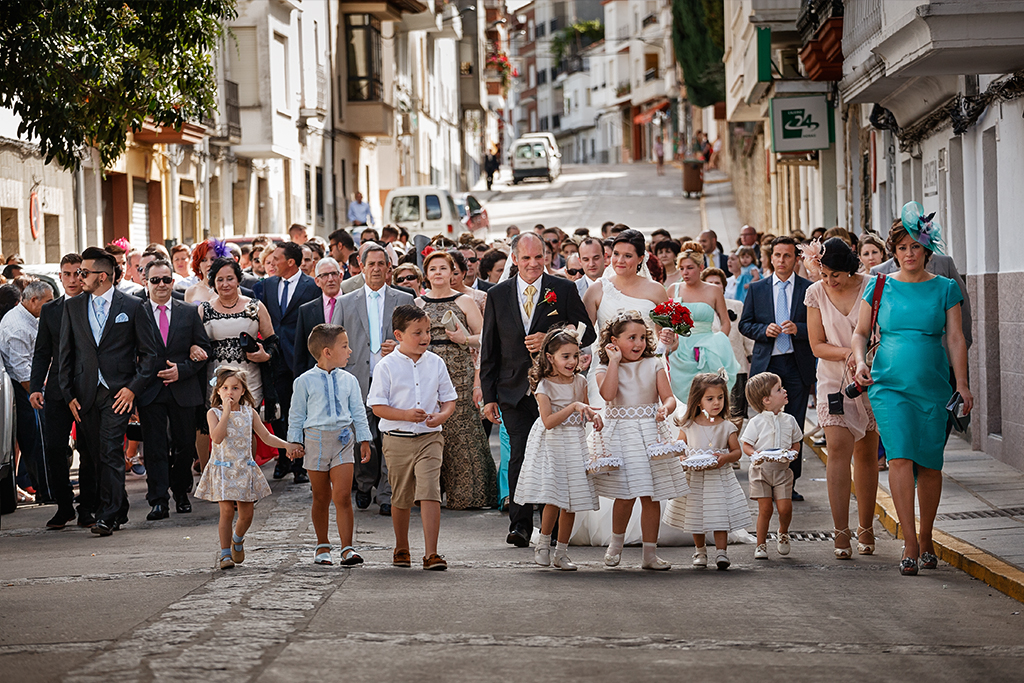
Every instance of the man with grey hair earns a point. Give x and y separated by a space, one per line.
323 309
366 315
354 283
17 346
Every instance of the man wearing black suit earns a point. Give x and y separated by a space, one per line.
167 408
518 315
283 294
328 277
106 360
775 317
714 256
45 395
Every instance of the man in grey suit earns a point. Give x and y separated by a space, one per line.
366 316
325 308
591 253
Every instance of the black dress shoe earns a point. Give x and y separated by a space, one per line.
159 511
797 498
60 519
363 499
86 519
301 478
103 528
281 470
518 538
385 509
182 505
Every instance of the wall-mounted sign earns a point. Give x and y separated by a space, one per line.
931 178
801 124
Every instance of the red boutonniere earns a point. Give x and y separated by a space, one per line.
550 298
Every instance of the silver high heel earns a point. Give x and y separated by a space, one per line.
865 548
841 553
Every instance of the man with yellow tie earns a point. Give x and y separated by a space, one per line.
519 313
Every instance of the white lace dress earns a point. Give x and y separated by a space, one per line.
232 474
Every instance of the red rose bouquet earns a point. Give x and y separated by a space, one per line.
672 315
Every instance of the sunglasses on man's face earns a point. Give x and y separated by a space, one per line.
85 272
472 259
407 278
165 280
573 271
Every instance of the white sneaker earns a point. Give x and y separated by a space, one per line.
542 555
761 552
700 558
722 560
783 545
564 563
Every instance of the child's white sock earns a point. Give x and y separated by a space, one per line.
615 546
543 540
561 549
650 552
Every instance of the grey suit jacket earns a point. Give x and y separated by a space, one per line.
352 284
942 265
351 313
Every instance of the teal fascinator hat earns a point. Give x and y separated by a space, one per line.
922 228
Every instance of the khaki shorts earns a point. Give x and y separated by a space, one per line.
771 480
414 467
323 450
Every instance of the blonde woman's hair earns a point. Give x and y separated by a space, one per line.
700 385
759 387
222 375
691 251
615 327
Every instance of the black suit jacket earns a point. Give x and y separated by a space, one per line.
759 313
504 360
483 285
186 330
311 314
125 354
47 352
286 321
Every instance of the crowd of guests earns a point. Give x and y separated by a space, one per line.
190 351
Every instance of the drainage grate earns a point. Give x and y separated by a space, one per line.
981 514
804 535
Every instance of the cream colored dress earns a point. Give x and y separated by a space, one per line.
232 474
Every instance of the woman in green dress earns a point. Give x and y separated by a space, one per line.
908 383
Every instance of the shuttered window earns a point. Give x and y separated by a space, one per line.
244 66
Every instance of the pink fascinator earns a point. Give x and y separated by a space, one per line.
811 254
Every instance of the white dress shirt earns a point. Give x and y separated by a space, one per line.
18 342
776 291
156 313
768 430
374 357
405 384
293 282
521 286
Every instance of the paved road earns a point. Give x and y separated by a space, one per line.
589 195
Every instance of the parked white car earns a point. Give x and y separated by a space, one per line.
533 157
423 210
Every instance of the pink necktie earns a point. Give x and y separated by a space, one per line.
330 309
164 322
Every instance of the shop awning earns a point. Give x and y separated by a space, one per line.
644 118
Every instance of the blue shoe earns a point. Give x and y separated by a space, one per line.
137 467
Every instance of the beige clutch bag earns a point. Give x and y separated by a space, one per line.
453 324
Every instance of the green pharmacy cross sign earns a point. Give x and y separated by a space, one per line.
801 124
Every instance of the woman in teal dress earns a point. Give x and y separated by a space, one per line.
908 383
704 350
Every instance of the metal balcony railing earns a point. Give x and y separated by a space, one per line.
862 20
650 75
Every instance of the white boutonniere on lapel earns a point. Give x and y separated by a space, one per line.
121 318
549 297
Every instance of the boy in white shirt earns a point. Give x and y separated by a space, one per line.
413 395
770 429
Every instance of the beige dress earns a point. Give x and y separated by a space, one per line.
232 474
857 416
716 501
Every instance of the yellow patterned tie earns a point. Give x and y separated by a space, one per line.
528 306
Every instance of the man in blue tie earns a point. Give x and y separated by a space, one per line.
775 317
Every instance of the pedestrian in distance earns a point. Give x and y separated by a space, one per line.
232 478
554 472
633 381
326 421
413 396
771 430
715 503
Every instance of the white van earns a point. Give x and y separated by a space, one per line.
550 138
533 157
423 210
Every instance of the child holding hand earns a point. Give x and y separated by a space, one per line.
326 420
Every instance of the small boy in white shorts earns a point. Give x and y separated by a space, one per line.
770 429
326 420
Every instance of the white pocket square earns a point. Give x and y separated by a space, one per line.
121 318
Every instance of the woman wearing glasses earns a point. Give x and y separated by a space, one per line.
409 276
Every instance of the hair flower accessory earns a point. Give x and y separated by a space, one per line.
811 255
219 247
924 230
123 243
427 251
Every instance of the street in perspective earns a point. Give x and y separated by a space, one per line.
538 340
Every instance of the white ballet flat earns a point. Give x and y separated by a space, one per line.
612 560
658 565
722 560
700 558
564 563
542 556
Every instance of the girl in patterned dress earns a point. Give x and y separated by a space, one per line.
554 472
232 476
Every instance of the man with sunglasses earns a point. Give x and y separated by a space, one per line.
107 358
167 407
45 395
473 269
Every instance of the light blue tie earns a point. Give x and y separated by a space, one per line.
100 305
284 295
783 344
374 323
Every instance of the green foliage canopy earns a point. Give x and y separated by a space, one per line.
580 34
698 34
84 72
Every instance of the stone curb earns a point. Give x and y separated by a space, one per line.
1001 575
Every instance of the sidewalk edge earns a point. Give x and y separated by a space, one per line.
972 560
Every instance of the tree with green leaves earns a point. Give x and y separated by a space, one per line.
82 73
698 34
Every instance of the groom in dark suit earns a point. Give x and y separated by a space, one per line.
167 408
283 294
106 360
775 317
519 313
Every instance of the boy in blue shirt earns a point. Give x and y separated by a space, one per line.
326 420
